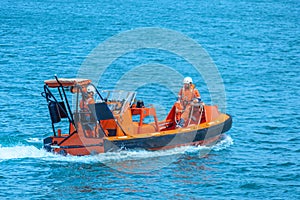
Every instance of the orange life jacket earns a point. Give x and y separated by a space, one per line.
179 110
84 105
187 95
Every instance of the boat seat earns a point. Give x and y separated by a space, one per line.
143 113
103 114
101 111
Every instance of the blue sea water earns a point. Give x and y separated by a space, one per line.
254 44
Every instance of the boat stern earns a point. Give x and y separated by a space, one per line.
47 144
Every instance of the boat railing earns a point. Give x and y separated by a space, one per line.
196 113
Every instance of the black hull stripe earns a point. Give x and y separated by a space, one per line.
175 139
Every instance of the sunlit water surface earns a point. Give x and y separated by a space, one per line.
254 44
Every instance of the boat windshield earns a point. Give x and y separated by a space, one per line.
118 100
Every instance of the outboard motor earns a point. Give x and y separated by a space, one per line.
139 104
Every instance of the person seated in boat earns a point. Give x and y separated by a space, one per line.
187 94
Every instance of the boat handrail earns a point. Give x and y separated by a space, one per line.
200 105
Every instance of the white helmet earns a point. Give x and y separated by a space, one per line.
187 80
90 88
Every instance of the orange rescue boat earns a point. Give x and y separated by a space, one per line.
112 121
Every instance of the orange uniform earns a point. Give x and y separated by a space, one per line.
84 103
89 128
179 110
185 96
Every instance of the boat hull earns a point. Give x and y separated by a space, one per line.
194 135
183 137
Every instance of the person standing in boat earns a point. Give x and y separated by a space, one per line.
187 94
87 98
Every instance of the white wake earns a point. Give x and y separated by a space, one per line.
30 151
